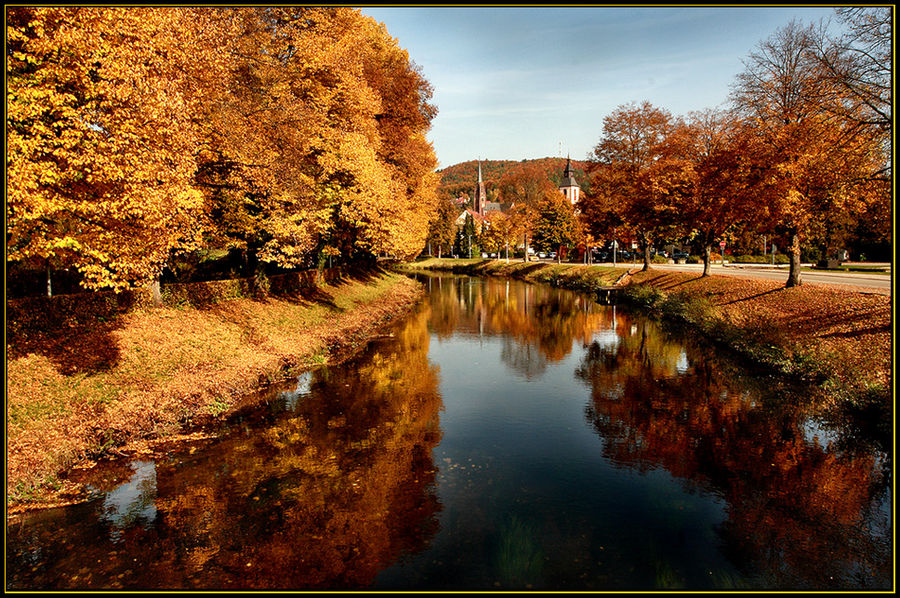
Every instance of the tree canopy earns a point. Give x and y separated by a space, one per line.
137 133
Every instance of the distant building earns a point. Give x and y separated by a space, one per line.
569 185
476 219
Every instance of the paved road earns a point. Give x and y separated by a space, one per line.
875 283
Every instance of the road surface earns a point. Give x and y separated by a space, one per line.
876 283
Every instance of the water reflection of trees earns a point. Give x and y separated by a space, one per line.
322 496
539 323
799 511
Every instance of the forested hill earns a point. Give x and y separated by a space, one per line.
460 178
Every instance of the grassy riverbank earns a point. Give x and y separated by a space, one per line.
839 338
81 390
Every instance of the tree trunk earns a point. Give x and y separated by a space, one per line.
440 246
794 251
707 249
526 247
49 284
156 293
645 245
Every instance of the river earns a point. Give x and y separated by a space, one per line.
502 436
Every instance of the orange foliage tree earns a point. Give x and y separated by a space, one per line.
718 180
524 186
815 163
628 153
319 144
556 226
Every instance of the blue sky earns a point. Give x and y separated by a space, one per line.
513 83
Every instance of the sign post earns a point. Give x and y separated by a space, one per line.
722 251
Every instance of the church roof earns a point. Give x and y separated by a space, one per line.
568 178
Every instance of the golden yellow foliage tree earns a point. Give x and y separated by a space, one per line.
319 144
99 142
135 133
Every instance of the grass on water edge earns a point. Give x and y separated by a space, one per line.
165 368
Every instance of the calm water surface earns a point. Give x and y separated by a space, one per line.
503 436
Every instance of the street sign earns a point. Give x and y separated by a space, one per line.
722 244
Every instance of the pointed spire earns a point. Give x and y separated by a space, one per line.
480 194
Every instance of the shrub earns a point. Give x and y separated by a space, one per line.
643 295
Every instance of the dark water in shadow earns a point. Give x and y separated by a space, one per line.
503 436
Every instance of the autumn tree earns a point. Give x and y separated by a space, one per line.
443 227
719 185
320 133
524 186
499 232
600 212
632 141
287 132
857 67
814 163
99 142
556 226
857 64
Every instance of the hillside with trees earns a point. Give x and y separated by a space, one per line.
460 178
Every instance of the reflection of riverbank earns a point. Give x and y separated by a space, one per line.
841 337
795 489
320 489
534 318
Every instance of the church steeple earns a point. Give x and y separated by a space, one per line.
480 194
569 186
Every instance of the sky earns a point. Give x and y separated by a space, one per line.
515 83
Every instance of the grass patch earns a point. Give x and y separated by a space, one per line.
166 366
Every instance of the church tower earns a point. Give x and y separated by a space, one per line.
480 195
569 185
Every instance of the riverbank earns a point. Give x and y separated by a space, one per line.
83 390
837 338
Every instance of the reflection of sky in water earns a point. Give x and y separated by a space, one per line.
682 365
133 501
291 397
607 339
815 431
